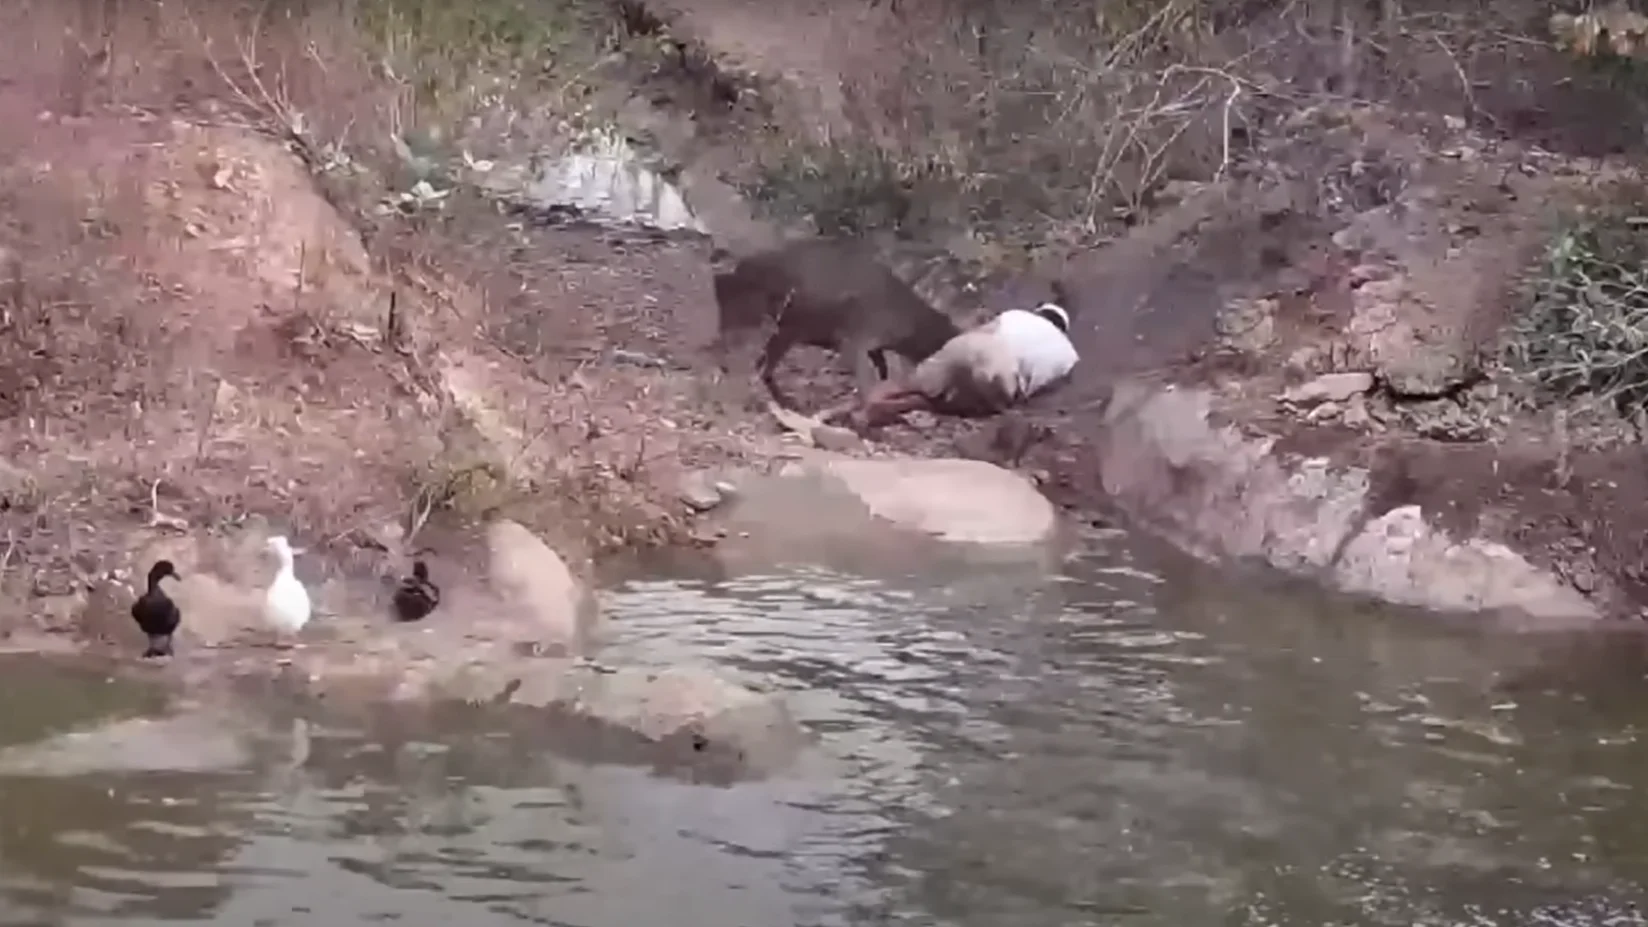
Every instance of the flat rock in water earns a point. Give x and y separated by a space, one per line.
963 501
657 705
185 743
1399 551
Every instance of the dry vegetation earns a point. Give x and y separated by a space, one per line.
1039 129
1582 337
1040 126
1036 122
190 334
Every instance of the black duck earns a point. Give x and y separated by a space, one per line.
156 613
416 596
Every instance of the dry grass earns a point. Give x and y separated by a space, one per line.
1027 124
1036 126
158 373
1045 127
1584 332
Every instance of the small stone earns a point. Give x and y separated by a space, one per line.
1324 412
1364 273
836 438
709 537
1178 190
1305 361
699 493
1330 387
1356 412
1248 326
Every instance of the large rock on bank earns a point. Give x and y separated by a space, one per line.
952 522
956 500
1219 492
526 572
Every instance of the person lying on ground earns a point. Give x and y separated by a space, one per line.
980 372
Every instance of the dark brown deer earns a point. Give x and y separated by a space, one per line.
827 294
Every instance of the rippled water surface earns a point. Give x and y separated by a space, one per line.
1139 742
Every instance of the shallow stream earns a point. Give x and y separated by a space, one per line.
1142 741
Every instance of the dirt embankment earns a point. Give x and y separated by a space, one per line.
219 306
1327 226
246 290
211 211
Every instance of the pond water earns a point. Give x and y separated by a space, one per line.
1142 741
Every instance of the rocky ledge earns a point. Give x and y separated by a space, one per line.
1221 490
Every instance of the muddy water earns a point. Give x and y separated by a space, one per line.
1141 742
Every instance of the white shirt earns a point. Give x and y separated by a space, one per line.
1044 352
1001 363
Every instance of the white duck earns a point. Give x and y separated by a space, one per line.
286 604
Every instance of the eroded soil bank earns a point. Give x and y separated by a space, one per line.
1317 338
244 302
1351 413
261 287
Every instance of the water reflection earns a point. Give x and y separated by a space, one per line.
1142 741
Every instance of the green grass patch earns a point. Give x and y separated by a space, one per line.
1584 333
455 59
854 190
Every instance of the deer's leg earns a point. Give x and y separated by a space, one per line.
868 366
878 357
777 347
718 351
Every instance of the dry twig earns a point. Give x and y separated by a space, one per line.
256 94
11 548
157 518
205 435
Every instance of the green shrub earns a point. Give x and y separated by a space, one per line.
853 190
1585 332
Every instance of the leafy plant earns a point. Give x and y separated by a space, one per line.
1586 330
